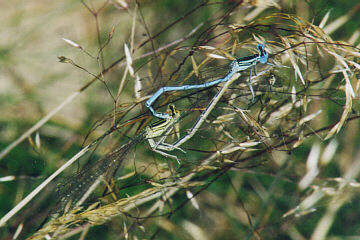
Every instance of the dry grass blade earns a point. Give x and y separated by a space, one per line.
293 60
349 94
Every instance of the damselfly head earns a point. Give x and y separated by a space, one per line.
262 53
173 111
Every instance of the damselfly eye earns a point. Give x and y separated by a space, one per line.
261 49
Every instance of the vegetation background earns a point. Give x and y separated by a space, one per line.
261 200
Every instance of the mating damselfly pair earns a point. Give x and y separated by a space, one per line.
235 67
161 129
